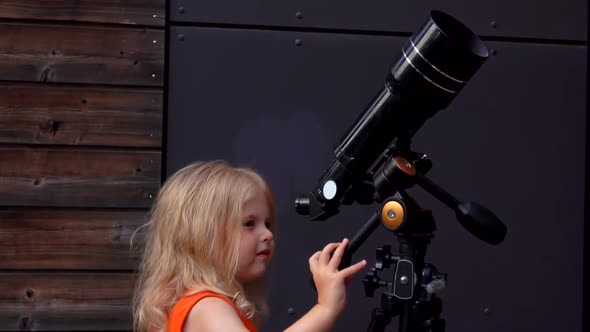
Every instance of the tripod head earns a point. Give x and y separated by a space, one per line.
475 218
412 293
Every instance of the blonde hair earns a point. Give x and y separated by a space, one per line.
192 241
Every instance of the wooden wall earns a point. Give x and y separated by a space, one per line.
81 101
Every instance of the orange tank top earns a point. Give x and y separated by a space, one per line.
182 308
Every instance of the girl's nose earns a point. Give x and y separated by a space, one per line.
267 236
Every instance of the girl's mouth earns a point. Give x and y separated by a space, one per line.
265 252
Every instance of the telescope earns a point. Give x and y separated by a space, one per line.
435 64
373 163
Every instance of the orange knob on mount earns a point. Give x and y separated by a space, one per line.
393 215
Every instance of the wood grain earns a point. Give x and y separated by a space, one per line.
78 177
40 114
70 239
65 301
81 54
144 12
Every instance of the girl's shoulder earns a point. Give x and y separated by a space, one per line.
207 311
181 309
214 314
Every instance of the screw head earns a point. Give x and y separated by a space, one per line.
403 280
391 214
493 24
181 10
180 37
299 15
298 42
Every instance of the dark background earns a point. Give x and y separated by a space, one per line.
274 85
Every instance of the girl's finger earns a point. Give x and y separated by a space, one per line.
337 256
313 260
326 252
350 271
315 256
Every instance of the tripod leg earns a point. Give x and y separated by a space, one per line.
428 318
405 318
379 320
438 324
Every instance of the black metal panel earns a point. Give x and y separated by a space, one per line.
553 19
513 140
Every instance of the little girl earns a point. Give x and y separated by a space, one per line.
208 246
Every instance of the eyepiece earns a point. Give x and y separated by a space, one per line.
302 205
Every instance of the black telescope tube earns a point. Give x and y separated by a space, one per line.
435 64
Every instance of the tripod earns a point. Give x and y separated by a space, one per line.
412 295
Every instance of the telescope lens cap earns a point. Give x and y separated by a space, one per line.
329 189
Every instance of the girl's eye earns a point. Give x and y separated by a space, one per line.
248 223
268 225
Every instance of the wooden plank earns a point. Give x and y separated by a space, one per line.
65 301
78 177
70 239
144 12
48 114
81 54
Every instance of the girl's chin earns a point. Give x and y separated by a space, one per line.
252 277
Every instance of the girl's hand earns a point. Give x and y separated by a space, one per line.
331 283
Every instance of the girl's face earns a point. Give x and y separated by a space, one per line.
256 242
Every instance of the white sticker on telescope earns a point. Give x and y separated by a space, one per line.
329 189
